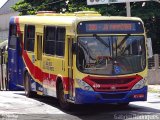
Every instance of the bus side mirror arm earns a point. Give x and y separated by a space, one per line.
74 48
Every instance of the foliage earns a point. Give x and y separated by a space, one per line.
30 7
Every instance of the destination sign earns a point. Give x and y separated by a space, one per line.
111 27
104 27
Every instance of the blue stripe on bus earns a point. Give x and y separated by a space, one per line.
12 20
12 86
84 97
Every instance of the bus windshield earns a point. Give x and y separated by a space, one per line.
111 55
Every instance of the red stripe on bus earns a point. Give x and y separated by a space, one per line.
18 26
36 72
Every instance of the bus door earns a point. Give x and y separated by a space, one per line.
12 57
70 67
30 52
38 60
20 65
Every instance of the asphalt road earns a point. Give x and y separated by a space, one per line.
15 105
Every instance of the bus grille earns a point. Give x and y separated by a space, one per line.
112 83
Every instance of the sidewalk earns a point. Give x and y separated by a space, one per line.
154 88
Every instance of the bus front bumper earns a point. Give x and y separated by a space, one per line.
87 97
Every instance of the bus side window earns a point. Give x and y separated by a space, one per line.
29 37
13 36
13 30
61 33
49 40
20 39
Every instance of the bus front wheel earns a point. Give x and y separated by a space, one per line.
62 101
28 92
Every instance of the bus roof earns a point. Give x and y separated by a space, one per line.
66 19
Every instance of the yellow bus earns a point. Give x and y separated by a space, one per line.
79 57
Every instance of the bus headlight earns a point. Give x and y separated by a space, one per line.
139 84
84 86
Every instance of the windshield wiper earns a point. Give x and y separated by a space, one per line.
101 40
123 41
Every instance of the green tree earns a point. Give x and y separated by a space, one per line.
26 7
149 12
113 9
30 7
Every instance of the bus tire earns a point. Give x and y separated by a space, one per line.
63 103
27 86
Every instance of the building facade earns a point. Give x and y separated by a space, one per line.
5 13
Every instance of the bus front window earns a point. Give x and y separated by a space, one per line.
111 55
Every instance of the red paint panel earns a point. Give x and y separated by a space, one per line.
38 73
101 83
66 83
18 26
28 62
